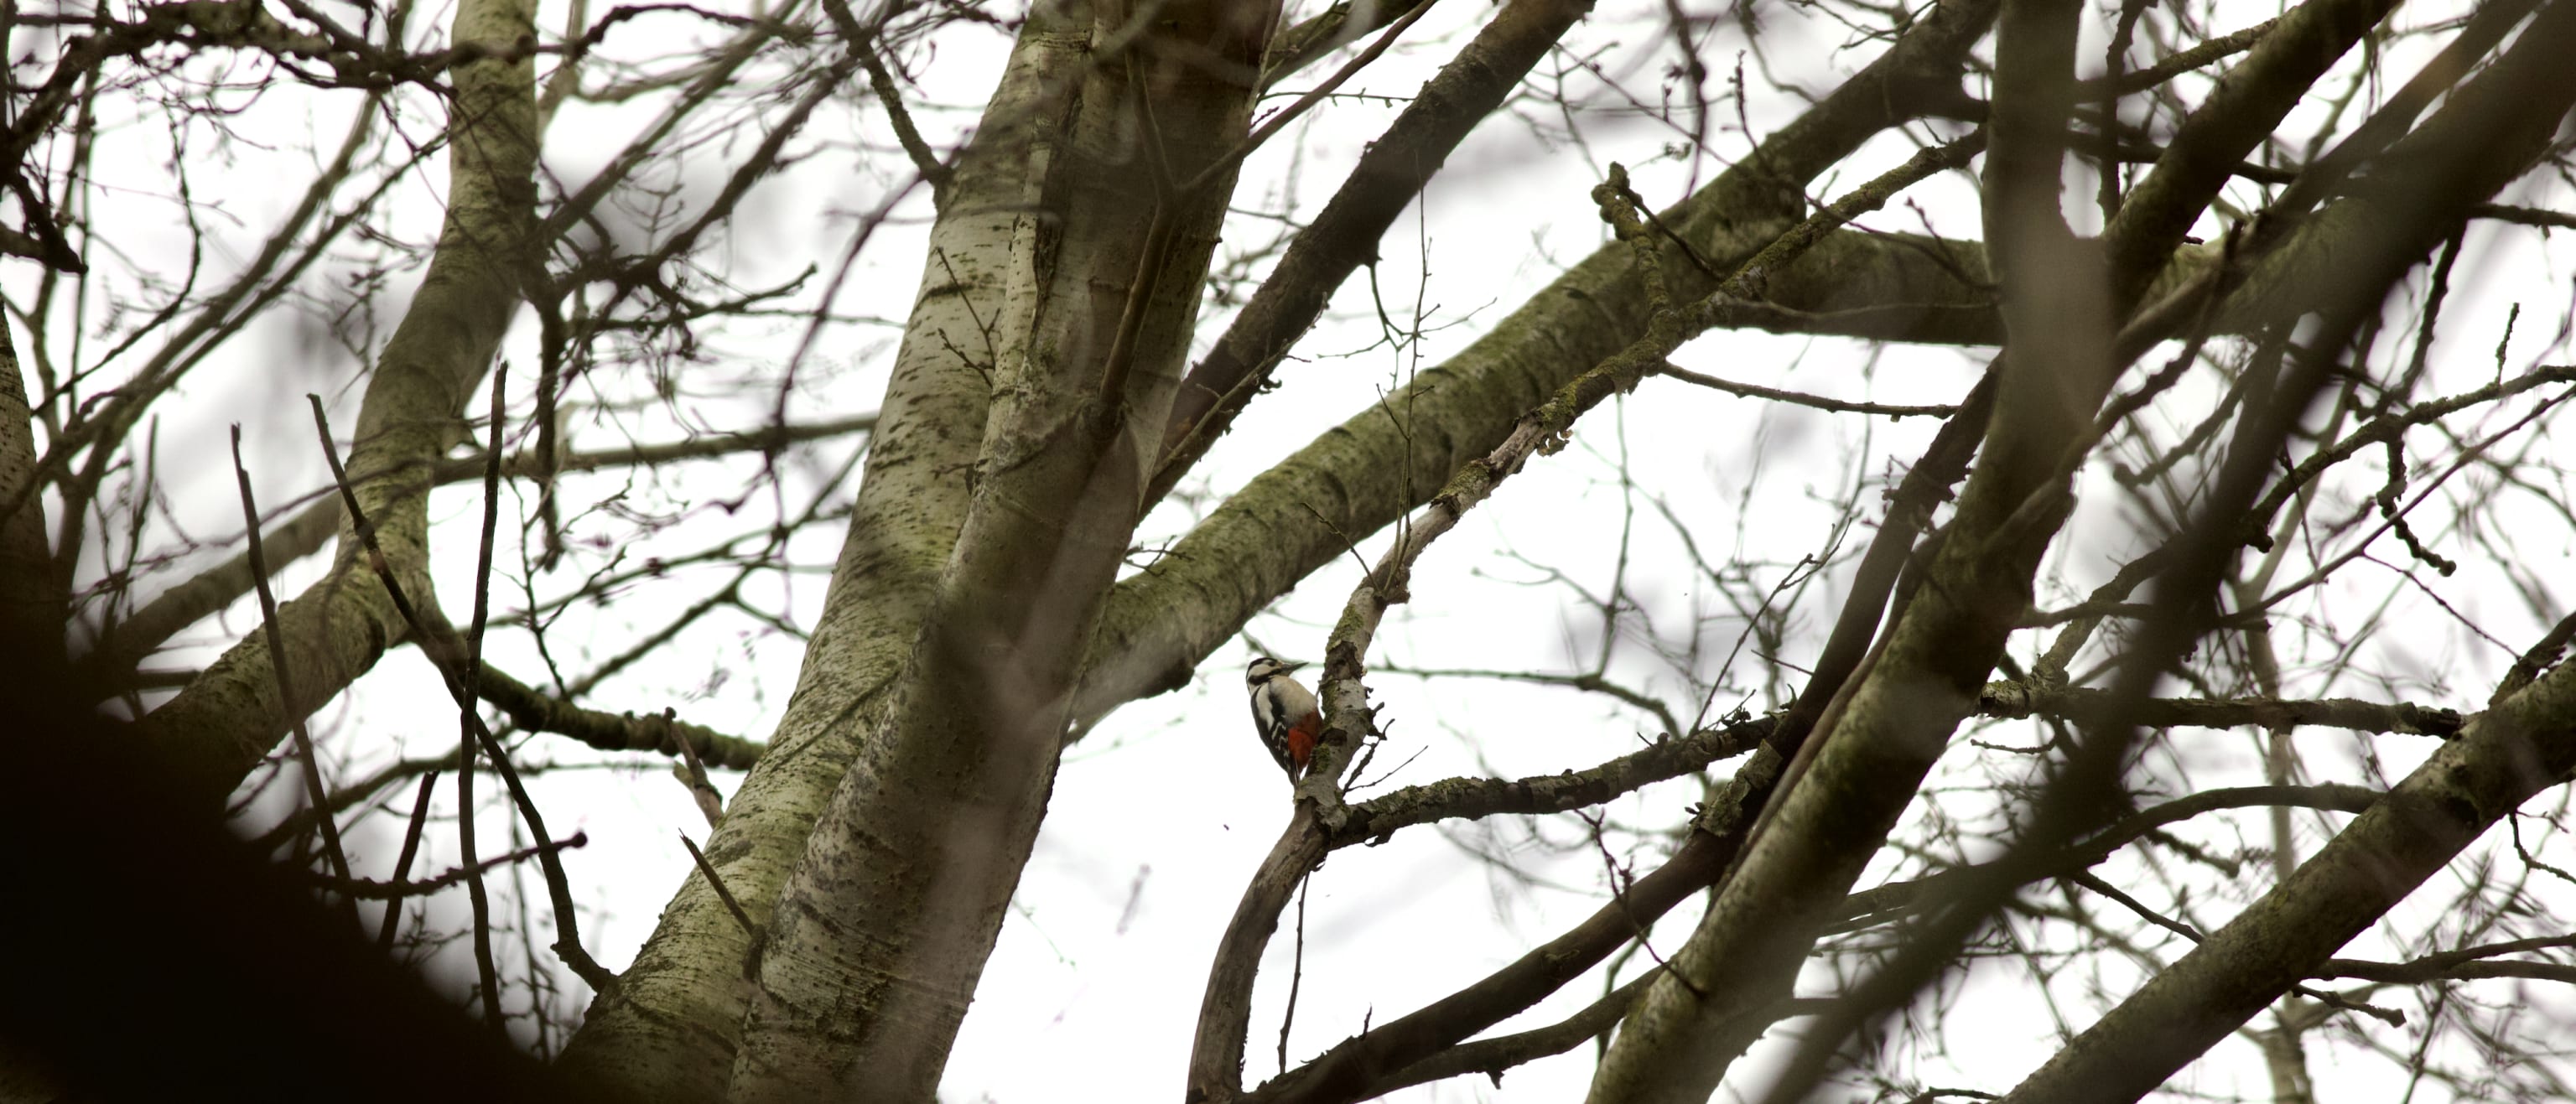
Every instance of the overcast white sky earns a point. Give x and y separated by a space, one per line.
1163 812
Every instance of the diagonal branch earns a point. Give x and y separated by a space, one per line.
312 527
368 889
459 672
1161 623
1344 236
223 723
1224 1013
1884 730
311 766
2487 134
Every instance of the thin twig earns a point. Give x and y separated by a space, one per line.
439 649
402 866
694 773
1296 970
396 890
311 764
469 708
481 898
924 160
722 894
1318 94
1800 398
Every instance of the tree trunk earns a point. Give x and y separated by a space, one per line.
882 931
32 602
1053 319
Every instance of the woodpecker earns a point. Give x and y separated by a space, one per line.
1284 714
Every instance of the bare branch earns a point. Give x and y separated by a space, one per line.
2093 707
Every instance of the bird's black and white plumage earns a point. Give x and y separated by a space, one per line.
1284 714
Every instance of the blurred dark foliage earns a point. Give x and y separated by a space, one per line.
147 955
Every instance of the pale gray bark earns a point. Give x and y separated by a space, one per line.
2483 138
669 1030
882 930
1689 1028
32 603
226 720
1873 745
970 616
1686 1033
2525 744
1363 474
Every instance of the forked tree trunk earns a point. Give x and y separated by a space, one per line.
1056 307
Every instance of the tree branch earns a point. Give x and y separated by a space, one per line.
304 533
1390 173
368 889
2085 705
1160 624
221 725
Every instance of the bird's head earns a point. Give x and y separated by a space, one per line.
1263 668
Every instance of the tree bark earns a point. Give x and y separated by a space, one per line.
669 1031
882 930
1038 237
1873 745
2485 136
225 721
1691 1027
2522 746
33 607
1364 473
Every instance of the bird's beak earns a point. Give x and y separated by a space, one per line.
1289 668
